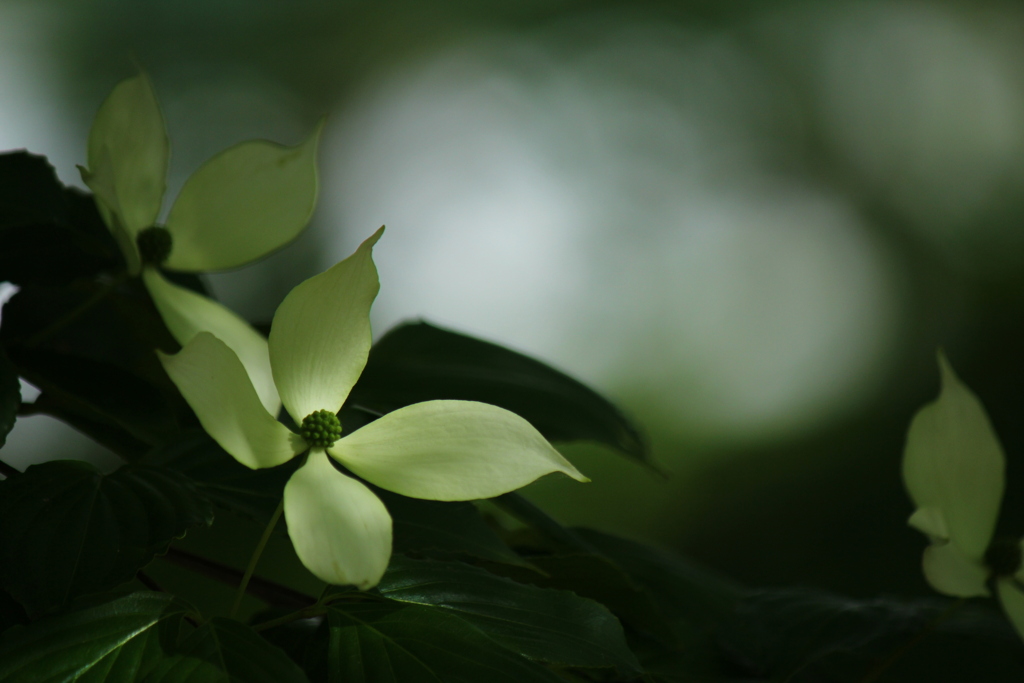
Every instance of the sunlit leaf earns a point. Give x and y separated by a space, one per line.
67 530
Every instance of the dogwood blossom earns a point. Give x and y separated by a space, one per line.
319 343
954 469
239 206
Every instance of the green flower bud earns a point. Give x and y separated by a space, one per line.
154 245
1003 556
320 429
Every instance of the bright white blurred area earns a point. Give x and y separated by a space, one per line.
628 204
611 214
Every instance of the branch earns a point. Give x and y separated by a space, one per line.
268 591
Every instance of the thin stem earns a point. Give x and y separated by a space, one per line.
77 313
305 613
148 582
268 591
256 558
535 518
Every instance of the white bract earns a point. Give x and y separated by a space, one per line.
319 343
953 468
239 206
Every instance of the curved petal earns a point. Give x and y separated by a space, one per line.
214 382
128 154
105 196
243 204
187 313
320 337
450 450
954 464
950 572
340 529
1012 599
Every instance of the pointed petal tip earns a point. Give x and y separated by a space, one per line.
371 241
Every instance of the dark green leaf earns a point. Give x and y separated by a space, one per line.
418 362
600 579
228 484
29 190
68 530
807 636
116 641
49 234
444 530
11 613
687 594
548 625
10 396
371 643
225 651
102 367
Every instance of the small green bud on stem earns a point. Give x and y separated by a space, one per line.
154 245
320 429
1003 556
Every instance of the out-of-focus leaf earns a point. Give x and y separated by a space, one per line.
49 234
11 613
225 651
10 396
548 625
419 362
68 530
598 578
444 530
412 644
809 636
225 482
117 641
687 594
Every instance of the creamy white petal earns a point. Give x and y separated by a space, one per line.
450 450
320 337
128 154
187 313
243 204
1012 599
214 382
949 571
340 529
953 463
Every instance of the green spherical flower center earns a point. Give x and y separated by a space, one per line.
1003 556
154 245
320 429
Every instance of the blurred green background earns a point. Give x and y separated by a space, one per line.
751 224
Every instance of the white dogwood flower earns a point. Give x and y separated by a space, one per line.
319 343
954 469
239 206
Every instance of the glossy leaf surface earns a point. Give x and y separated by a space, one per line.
419 362
67 530
548 625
